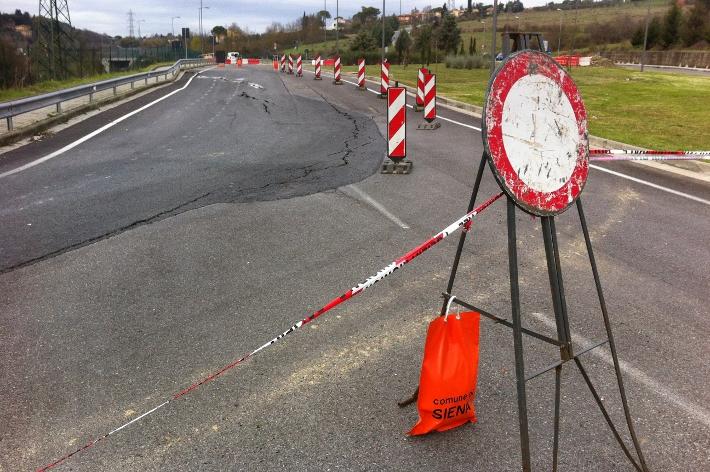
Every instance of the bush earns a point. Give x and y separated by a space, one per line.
475 61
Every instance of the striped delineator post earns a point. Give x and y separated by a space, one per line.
396 123
429 97
384 78
283 63
299 66
318 66
361 73
290 64
419 104
336 71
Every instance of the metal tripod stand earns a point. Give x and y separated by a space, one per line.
563 339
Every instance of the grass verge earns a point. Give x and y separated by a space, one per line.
54 85
651 109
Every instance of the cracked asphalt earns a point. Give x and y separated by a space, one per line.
161 250
224 142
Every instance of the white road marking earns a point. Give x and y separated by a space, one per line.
691 409
361 195
96 132
650 184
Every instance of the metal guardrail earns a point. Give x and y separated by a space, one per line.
10 109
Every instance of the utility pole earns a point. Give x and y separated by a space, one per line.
383 31
54 39
645 34
131 33
325 22
172 24
559 37
495 33
337 25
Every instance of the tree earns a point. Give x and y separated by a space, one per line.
671 26
449 34
695 24
363 42
402 46
471 47
422 43
219 31
365 17
461 51
322 16
391 25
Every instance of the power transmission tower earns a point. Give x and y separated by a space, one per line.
130 24
54 39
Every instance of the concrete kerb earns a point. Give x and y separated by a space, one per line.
698 170
46 123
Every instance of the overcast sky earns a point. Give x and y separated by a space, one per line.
111 16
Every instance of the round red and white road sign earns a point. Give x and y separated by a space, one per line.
535 133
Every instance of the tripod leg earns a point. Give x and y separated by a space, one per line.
583 371
518 338
556 443
462 238
610 336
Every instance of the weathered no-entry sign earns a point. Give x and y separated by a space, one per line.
535 133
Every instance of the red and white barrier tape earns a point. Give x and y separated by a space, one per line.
645 155
361 73
464 221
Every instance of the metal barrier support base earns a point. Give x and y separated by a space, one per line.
429 126
396 167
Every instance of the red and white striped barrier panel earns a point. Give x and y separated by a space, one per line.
299 66
254 61
429 97
396 123
567 60
336 71
361 73
384 78
290 64
463 222
645 155
318 66
420 88
329 62
283 63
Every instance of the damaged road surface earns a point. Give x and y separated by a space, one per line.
231 136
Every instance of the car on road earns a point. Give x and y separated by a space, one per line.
232 57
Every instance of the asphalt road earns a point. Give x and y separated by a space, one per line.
165 247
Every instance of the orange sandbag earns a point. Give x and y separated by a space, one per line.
447 386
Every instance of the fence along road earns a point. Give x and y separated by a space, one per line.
94 336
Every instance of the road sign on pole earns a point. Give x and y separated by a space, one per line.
429 103
299 66
290 64
396 132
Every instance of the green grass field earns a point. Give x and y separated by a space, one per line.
54 85
315 48
653 110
